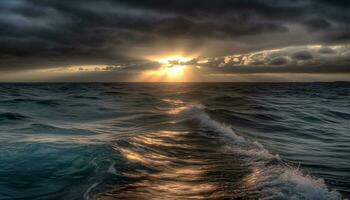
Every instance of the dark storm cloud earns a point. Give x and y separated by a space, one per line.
318 24
49 33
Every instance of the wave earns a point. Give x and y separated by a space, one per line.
270 176
84 97
39 128
12 116
206 121
338 114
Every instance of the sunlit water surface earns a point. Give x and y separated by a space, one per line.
174 141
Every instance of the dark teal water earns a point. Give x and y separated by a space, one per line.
175 141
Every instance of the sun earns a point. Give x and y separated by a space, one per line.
169 73
173 66
172 69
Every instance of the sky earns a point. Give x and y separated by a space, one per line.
178 40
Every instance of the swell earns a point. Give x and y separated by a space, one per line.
39 128
43 102
11 116
270 176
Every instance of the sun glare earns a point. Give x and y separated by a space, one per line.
172 69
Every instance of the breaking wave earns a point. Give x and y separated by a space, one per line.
270 177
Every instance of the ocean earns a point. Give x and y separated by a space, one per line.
103 141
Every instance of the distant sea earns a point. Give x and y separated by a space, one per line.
103 141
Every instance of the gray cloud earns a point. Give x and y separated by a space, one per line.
302 55
299 59
326 50
284 69
282 60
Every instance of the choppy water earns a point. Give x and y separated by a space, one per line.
175 141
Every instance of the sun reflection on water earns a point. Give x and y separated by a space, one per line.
172 179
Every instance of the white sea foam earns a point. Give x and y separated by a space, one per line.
274 181
282 182
86 194
307 187
198 112
111 169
